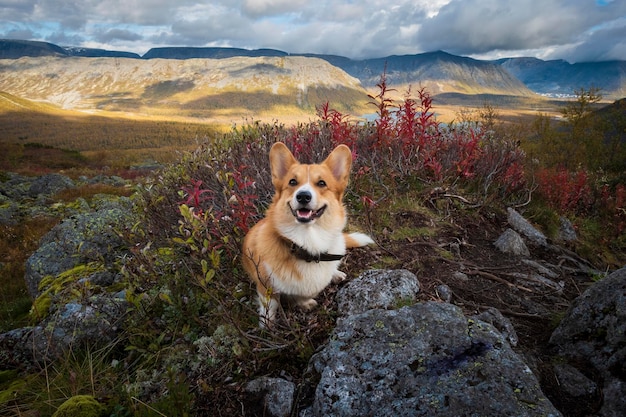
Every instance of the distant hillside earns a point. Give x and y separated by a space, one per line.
439 71
560 78
213 53
14 49
613 118
226 89
98 53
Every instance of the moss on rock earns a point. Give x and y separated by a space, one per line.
80 406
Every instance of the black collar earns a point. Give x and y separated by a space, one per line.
304 255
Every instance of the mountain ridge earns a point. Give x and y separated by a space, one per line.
225 89
438 71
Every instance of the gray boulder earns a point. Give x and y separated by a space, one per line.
378 289
70 278
15 186
274 395
511 242
50 184
523 226
93 323
424 360
83 238
593 332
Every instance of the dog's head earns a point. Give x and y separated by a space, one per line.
310 193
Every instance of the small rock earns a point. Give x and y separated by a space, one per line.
460 276
511 242
275 393
573 382
538 282
444 292
9 213
523 226
543 270
567 233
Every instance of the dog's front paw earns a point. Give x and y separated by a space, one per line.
307 304
338 277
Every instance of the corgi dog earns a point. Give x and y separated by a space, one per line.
297 248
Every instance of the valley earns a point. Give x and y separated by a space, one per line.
123 110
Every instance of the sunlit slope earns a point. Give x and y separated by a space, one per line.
193 88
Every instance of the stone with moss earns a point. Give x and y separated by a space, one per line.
81 240
80 406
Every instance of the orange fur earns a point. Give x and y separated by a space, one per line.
307 211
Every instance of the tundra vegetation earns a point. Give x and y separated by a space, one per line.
191 338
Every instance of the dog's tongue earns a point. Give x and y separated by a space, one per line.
305 213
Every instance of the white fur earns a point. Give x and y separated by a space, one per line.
361 238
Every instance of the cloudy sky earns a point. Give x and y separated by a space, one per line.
574 30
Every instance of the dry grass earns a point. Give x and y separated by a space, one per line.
16 245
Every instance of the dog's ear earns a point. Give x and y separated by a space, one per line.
340 161
281 159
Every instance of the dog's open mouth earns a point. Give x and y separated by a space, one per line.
305 215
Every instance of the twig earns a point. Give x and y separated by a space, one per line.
497 279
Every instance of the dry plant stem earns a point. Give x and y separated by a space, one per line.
496 278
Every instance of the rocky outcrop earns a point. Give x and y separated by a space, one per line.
50 184
424 359
78 240
592 335
71 275
392 356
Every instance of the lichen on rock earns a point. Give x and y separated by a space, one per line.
80 406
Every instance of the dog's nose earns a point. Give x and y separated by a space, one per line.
304 197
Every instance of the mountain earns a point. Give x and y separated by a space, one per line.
439 71
213 53
14 49
453 79
225 89
560 78
98 53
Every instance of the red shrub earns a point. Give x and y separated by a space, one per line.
565 191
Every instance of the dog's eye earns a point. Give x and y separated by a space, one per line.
321 183
293 182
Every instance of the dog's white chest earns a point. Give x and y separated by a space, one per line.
306 279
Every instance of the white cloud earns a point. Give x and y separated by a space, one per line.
569 29
480 26
259 8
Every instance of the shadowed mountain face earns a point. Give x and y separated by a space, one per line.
558 78
14 49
